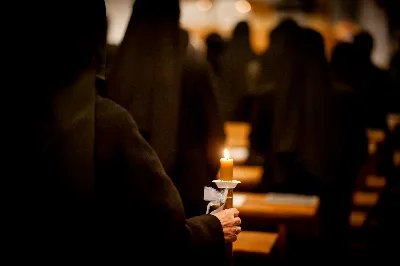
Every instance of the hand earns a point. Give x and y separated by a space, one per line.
230 222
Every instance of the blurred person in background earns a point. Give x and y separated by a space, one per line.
169 92
236 64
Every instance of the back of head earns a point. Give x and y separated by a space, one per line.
315 51
215 43
342 64
285 25
284 50
364 43
241 30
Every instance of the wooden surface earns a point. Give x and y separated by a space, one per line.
365 199
256 205
237 134
396 158
392 121
374 181
250 176
372 148
375 135
357 219
255 242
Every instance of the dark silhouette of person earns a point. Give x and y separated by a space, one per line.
343 74
215 48
235 61
343 63
169 93
371 82
285 24
394 71
85 186
302 130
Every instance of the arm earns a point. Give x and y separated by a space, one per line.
146 184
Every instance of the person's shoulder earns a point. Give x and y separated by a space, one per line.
109 113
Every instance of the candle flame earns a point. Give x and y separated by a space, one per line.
226 154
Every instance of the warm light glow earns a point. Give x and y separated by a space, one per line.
243 6
204 5
226 154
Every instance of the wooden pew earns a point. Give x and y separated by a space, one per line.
392 121
256 212
364 199
375 182
375 135
357 219
237 134
256 205
396 158
258 243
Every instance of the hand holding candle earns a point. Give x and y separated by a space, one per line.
226 169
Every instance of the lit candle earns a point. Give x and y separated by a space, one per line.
226 170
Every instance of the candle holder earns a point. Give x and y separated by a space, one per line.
230 185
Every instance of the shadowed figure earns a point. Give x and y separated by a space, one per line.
235 63
395 83
52 131
288 127
169 93
343 63
306 128
215 48
371 82
349 102
85 186
266 64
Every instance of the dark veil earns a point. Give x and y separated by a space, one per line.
145 78
235 67
320 141
57 98
342 64
51 129
283 30
301 107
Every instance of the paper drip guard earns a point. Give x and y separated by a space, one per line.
226 184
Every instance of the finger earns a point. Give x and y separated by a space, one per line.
235 212
237 221
238 230
232 238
